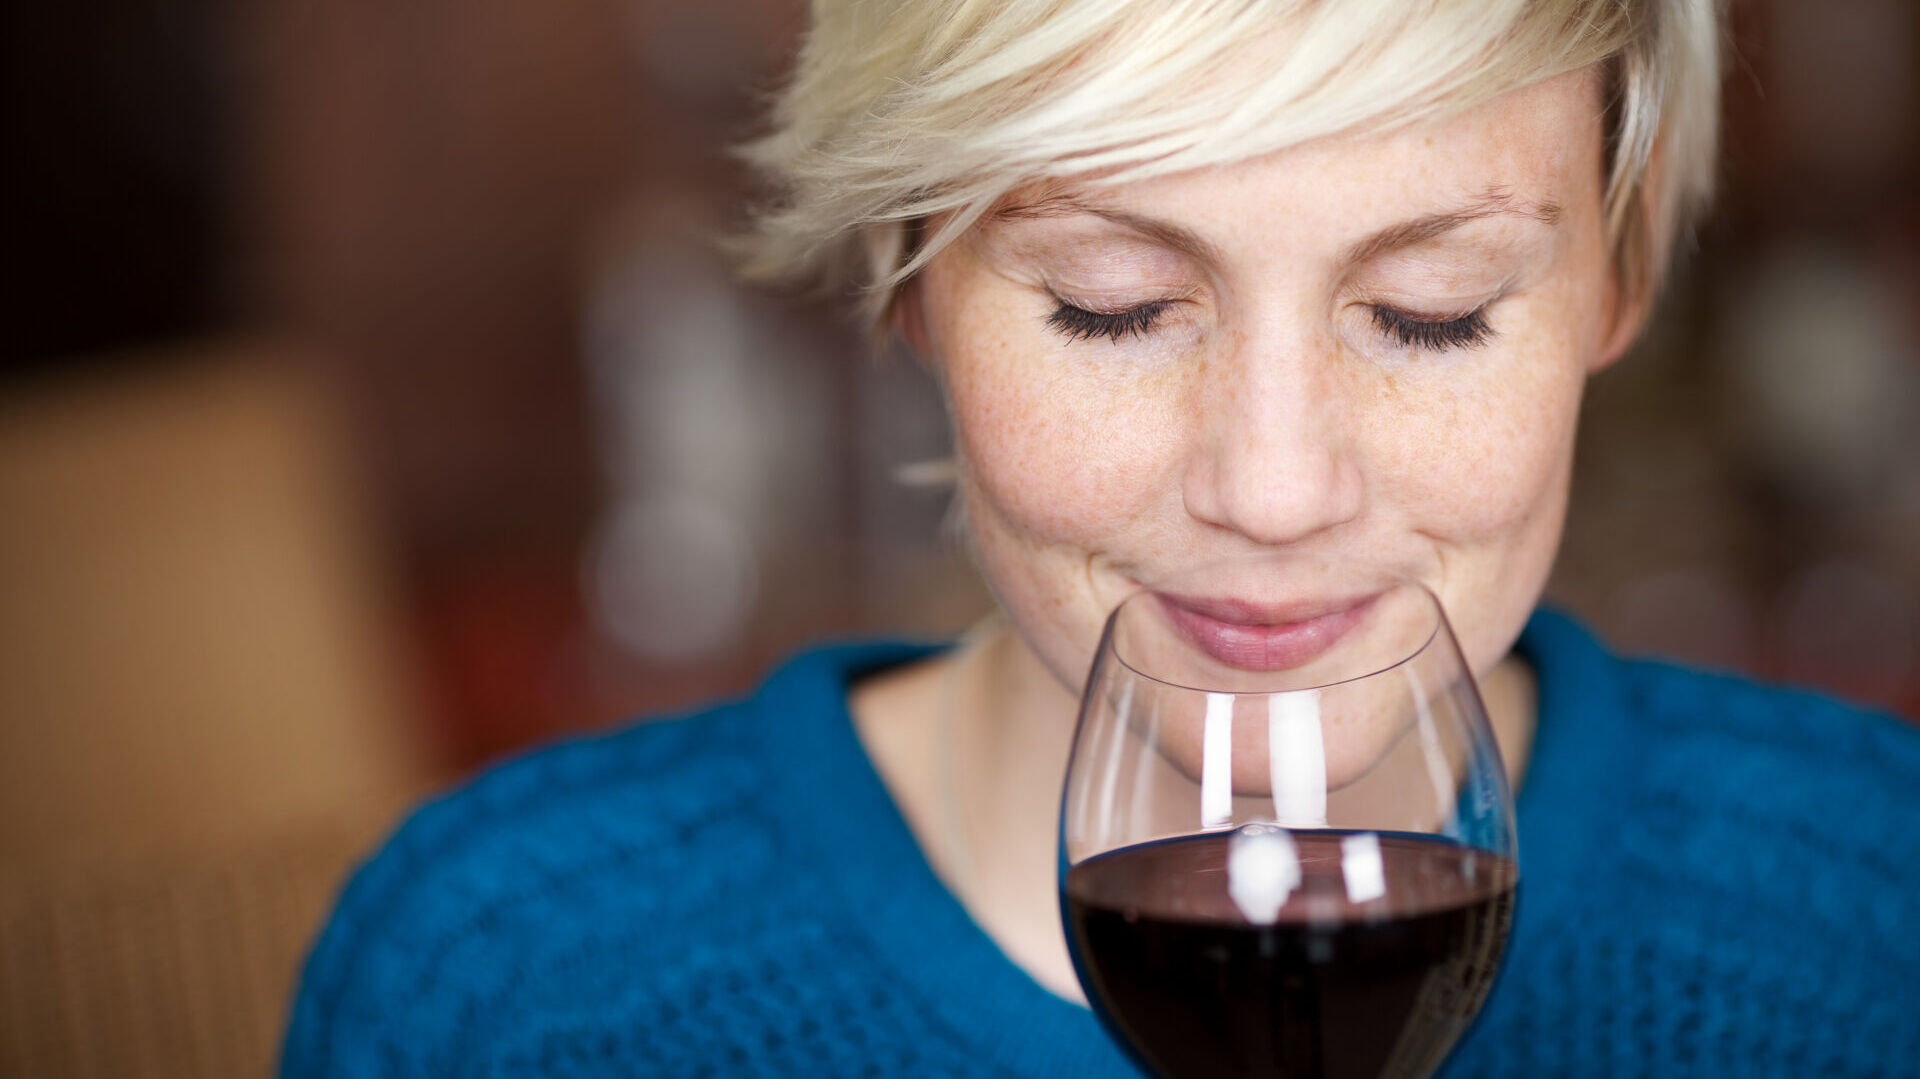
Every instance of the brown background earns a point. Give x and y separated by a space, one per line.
376 404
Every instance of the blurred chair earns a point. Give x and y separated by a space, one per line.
204 714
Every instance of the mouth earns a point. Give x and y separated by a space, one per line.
1264 637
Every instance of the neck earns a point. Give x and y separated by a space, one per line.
973 747
1012 732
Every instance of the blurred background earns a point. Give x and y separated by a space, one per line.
374 404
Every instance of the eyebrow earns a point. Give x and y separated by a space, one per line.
1493 202
1165 233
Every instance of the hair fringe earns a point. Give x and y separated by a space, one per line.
902 111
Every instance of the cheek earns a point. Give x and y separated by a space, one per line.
1485 478
1062 464
1489 461
1053 450
1481 456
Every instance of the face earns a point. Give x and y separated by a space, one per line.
1369 346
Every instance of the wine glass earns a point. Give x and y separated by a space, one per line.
1286 833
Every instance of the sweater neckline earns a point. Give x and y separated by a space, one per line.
862 850
852 839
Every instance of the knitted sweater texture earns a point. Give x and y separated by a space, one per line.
1718 879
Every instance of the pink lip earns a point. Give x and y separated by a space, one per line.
1263 638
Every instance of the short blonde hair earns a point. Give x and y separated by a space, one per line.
902 111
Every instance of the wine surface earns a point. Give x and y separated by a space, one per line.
1329 989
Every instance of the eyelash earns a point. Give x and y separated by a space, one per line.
1080 324
1434 335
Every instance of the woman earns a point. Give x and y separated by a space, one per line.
1198 279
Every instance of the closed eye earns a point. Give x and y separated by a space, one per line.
1080 324
1435 335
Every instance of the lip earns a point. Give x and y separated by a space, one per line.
1257 637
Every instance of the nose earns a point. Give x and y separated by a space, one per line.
1275 455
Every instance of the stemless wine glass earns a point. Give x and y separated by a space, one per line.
1287 835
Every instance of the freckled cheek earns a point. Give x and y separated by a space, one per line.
1484 477
1486 462
1060 457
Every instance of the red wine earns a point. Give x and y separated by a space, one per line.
1329 988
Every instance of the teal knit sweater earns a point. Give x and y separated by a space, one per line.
1720 880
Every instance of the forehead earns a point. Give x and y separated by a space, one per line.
1536 149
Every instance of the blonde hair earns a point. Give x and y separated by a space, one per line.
904 111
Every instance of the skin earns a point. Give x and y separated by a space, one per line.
1266 408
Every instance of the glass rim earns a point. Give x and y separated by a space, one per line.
1149 590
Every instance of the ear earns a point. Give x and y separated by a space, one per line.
907 318
1628 303
1641 261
